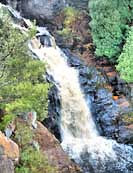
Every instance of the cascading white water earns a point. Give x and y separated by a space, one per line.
76 119
78 129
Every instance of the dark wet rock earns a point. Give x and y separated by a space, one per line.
44 40
73 60
107 112
126 128
52 122
3 2
41 10
127 89
78 4
125 134
119 86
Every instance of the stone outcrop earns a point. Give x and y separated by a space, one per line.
41 10
126 128
81 4
9 154
8 148
52 149
44 11
53 119
6 165
50 146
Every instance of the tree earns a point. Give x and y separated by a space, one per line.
22 86
109 19
125 60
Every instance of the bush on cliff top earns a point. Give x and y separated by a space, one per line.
22 87
125 60
108 24
33 161
70 15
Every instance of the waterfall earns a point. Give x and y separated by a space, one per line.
79 134
80 138
76 119
78 130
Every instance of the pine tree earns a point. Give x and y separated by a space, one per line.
22 86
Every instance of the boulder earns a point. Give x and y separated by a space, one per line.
51 147
9 154
6 165
8 148
41 10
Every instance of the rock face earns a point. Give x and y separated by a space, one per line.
6 165
52 149
81 4
126 128
107 111
54 108
3 2
9 152
44 11
41 10
8 148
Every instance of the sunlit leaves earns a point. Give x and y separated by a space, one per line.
125 60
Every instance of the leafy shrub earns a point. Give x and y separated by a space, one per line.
70 16
33 161
22 87
108 24
125 60
23 134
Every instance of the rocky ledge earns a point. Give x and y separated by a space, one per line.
51 147
9 154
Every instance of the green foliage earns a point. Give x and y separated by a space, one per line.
65 32
23 134
6 120
33 161
125 60
128 118
22 87
70 16
108 24
24 97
